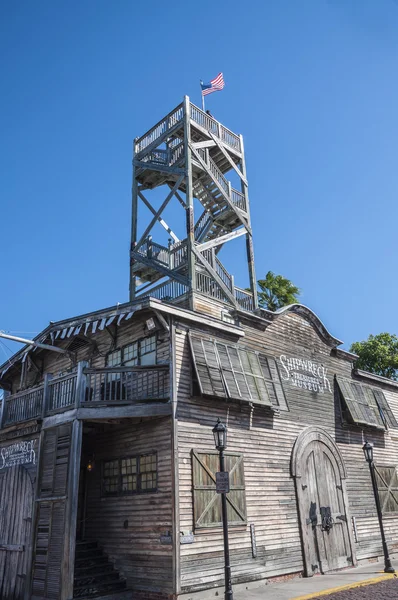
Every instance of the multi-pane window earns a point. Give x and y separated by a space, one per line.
130 475
148 473
141 352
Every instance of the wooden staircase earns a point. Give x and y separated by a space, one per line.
95 575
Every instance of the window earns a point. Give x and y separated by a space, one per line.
141 352
228 371
206 501
387 484
131 475
366 405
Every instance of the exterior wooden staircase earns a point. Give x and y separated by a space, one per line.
95 575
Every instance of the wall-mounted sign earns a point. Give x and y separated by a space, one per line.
20 453
187 538
166 539
305 374
222 482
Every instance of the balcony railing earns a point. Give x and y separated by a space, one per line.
126 384
23 406
87 387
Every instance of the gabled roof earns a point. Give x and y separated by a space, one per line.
92 322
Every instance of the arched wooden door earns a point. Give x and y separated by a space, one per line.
320 478
16 505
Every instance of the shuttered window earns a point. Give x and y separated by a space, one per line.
49 540
228 371
387 484
366 405
206 501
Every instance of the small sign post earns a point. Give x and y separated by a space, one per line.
222 482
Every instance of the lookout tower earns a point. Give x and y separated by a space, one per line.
189 155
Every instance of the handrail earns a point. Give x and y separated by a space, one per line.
157 130
62 391
121 385
223 274
24 405
206 285
207 122
168 290
244 299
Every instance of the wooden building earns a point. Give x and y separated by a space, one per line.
107 459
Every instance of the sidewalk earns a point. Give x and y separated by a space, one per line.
304 588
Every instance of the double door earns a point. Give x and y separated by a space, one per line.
322 499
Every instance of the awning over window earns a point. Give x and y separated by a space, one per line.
228 371
366 405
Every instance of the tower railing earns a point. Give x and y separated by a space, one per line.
199 117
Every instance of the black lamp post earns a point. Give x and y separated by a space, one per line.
220 440
368 451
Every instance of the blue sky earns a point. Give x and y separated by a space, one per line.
311 85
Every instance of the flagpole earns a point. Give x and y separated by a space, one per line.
203 102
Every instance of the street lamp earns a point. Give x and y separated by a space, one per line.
368 452
220 440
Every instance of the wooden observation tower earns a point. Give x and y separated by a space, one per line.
189 155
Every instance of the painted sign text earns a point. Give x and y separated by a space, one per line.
305 374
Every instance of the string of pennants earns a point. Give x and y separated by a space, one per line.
82 328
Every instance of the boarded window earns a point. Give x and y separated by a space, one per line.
206 501
366 405
130 475
387 484
228 371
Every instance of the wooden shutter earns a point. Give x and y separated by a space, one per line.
206 501
385 410
232 371
55 522
273 381
358 404
207 366
254 376
387 484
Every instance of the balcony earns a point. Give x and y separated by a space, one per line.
89 389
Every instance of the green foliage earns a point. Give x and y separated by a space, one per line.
276 291
378 354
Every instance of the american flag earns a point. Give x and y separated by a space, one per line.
215 85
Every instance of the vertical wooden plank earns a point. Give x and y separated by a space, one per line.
175 463
189 199
46 394
81 384
134 214
3 414
71 511
32 549
249 239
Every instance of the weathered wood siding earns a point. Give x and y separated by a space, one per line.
267 439
130 527
101 343
16 513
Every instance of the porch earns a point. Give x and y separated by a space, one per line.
93 393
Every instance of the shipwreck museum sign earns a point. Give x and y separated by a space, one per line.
304 374
20 453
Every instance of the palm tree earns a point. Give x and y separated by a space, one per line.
276 291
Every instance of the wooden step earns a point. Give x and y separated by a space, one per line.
96 591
